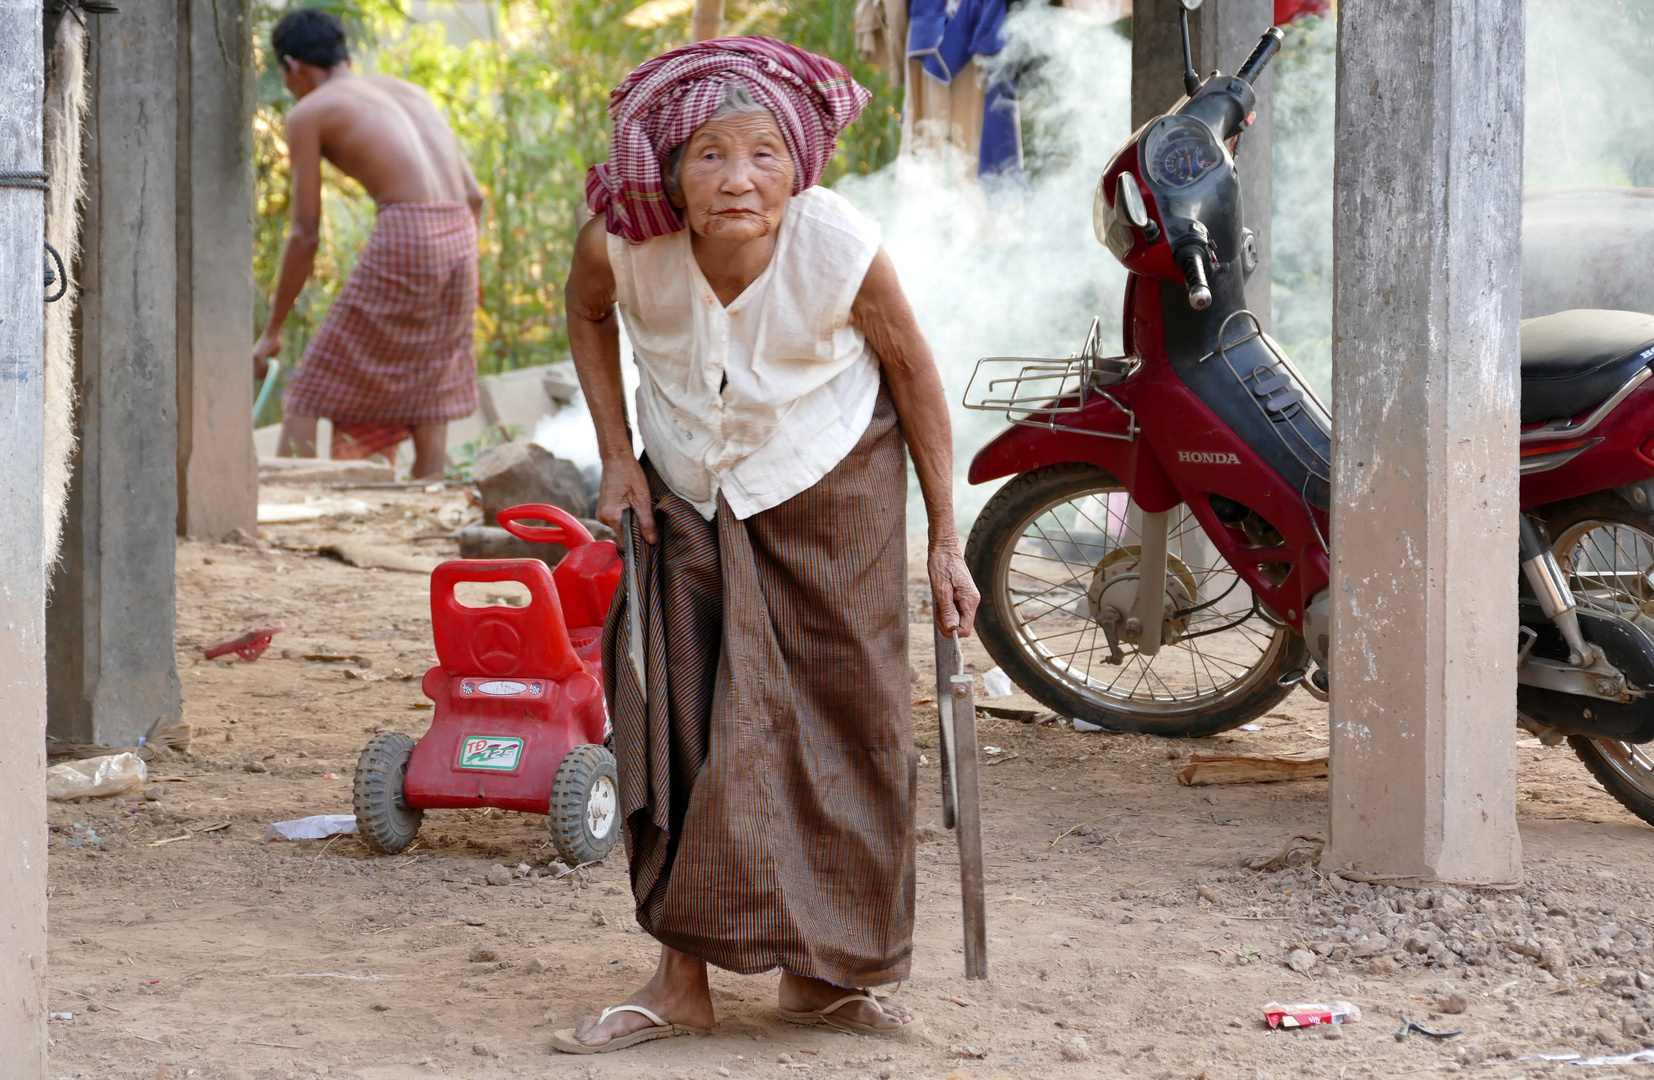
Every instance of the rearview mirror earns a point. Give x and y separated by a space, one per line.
1128 202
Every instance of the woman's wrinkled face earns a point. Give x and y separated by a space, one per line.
735 178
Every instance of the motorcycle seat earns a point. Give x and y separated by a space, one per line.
1574 360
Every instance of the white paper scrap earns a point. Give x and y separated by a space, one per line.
1640 1057
311 828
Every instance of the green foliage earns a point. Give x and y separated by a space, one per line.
527 96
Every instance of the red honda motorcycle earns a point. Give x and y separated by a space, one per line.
1158 560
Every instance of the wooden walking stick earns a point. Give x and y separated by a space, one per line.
961 793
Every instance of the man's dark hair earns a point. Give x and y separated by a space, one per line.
312 36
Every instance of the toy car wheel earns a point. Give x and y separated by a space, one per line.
585 805
384 820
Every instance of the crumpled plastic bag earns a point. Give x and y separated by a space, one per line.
96 777
311 828
995 683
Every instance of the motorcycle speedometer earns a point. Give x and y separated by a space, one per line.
1180 152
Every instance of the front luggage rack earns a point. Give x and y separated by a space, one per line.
1038 390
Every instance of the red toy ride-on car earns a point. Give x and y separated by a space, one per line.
520 721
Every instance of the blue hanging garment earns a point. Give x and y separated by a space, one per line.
927 22
976 29
999 158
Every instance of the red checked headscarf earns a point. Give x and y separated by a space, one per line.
662 103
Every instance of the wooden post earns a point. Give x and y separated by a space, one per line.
22 539
709 20
217 467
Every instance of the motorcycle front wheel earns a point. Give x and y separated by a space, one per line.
1606 549
1035 551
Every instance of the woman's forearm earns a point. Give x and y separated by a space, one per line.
916 388
922 406
882 312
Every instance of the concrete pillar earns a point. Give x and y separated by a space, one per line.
217 467
22 539
1223 34
110 666
1427 241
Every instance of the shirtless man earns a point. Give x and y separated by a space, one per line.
394 356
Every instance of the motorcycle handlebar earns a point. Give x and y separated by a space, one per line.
1268 46
1192 261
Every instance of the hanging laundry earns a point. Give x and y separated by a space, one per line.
969 28
941 121
881 36
978 111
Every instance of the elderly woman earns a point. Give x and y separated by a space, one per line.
766 770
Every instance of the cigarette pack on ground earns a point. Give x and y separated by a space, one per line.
1302 1016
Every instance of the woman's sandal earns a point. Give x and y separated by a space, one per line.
566 1042
824 1016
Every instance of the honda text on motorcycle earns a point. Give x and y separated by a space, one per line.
1158 560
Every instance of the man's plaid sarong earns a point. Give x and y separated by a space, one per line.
396 346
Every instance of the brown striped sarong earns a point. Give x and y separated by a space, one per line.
768 788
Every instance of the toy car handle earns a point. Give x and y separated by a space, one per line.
564 529
530 574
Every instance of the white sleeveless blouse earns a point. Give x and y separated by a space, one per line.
761 399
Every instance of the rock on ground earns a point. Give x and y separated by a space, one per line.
514 473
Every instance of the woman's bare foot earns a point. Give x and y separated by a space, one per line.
678 994
800 994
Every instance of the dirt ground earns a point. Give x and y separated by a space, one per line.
1124 937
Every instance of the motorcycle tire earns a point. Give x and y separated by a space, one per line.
1625 769
993 542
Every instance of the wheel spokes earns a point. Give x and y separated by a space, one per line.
1046 587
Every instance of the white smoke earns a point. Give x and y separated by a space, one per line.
570 433
988 280
1300 242
1588 85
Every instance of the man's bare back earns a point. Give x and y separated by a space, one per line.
387 135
